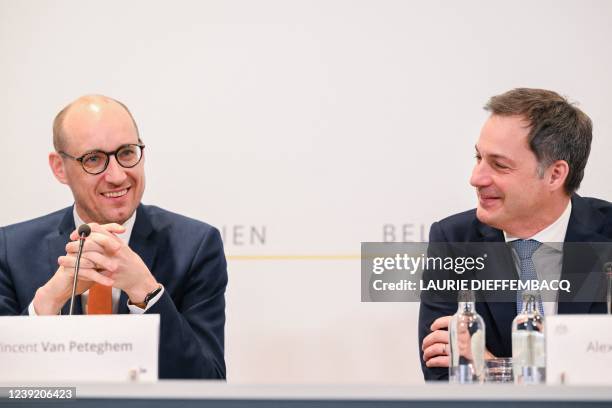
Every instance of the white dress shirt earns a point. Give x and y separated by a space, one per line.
548 258
116 294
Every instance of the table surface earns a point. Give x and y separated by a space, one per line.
206 389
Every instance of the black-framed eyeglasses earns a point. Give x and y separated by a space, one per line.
96 161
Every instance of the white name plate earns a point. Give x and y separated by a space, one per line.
579 349
102 348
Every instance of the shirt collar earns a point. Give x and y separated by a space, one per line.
554 233
129 224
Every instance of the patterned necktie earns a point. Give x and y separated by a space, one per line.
100 299
525 249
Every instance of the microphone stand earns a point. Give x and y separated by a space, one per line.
84 231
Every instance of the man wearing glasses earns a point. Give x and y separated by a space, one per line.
138 258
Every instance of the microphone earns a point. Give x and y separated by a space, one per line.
83 231
608 271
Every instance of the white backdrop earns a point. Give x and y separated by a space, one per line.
300 128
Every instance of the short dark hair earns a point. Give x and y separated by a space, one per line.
59 138
558 129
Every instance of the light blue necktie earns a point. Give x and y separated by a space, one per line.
525 249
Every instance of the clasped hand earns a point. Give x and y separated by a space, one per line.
108 260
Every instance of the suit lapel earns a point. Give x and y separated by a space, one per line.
141 242
500 265
580 256
57 247
584 227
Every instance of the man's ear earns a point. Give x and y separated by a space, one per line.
558 172
57 167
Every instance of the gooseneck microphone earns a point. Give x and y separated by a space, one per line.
83 231
607 270
609 296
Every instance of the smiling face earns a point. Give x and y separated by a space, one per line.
99 124
512 196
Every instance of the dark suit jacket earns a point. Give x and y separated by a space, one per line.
184 255
590 221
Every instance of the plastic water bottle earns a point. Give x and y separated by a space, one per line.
467 342
528 343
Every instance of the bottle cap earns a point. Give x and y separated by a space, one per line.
529 294
466 296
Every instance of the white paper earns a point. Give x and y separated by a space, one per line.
101 348
579 349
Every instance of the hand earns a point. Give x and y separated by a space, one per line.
50 298
114 258
436 348
435 345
